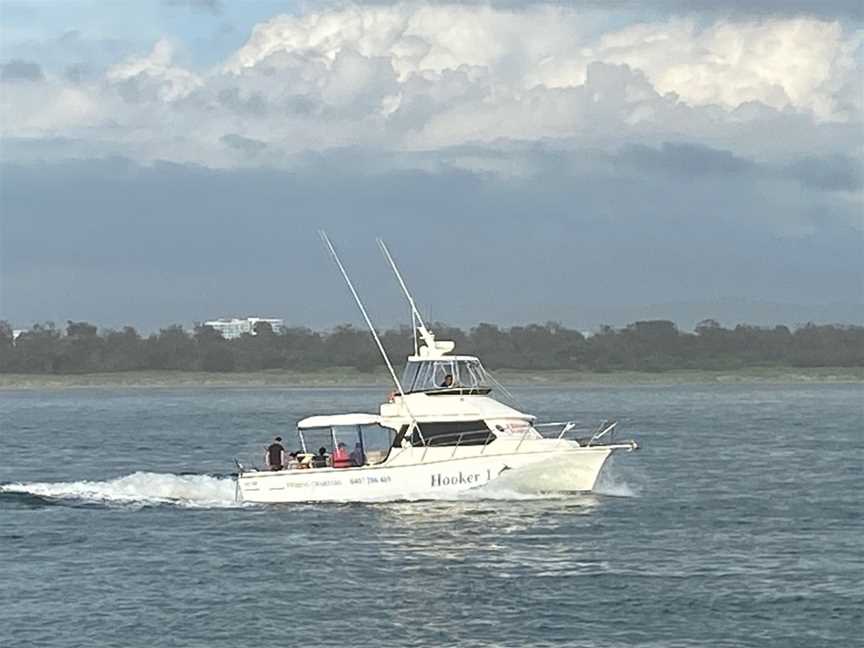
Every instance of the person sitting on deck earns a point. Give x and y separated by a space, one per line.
320 460
340 458
358 457
448 381
275 455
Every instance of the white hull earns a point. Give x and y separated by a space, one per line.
420 473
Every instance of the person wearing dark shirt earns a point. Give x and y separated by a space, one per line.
320 460
357 457
275 456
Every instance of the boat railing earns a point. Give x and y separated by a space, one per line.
559 430
584 436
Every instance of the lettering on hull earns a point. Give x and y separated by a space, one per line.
460 479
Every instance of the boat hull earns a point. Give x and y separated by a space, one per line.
430 473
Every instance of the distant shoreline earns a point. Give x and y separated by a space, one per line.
349 377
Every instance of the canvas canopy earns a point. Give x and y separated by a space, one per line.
337 420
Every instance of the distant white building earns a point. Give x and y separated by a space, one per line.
234 327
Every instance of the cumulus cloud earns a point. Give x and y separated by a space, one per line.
848 9
415 77
153 77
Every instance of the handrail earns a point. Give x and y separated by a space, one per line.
606 427
456 447
489 439
524 434
564 430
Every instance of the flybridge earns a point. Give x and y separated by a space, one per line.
445 373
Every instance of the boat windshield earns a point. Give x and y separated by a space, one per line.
444 374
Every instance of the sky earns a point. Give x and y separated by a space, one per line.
586 162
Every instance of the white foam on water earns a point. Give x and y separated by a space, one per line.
610 483
549 481
139 488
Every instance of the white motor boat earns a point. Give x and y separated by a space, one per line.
440 433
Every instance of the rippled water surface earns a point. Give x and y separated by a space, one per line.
738 523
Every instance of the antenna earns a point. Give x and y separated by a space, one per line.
427 336
335 256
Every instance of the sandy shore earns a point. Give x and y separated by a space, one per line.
352 378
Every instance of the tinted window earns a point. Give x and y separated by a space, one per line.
451 433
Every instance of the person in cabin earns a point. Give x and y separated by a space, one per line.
448 381
340 457
275 455
357 457
321 459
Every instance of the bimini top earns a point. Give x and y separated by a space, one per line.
338 420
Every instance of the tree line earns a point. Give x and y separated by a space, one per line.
656 345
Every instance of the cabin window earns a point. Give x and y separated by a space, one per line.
366 444
377 441
470 374
312 440
409 375
433 373
451 433
447 373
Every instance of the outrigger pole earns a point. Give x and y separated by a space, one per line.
428 338
372 330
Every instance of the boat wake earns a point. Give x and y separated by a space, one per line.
141 489
136 490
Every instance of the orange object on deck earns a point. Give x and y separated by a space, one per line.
340 458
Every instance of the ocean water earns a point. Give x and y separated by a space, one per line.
738 523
